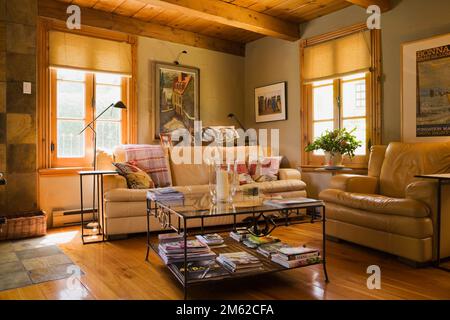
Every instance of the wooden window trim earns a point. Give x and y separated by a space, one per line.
44 121
373 95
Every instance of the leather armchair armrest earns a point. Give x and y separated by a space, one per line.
289 174
355 183
424 191
111 182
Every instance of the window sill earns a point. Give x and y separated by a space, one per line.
57 172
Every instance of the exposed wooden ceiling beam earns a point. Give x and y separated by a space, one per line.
100 19
385 5
232 15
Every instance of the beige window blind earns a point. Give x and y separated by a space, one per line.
68 50
337 58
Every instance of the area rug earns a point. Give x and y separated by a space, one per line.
32 261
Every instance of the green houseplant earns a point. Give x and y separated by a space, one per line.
335 144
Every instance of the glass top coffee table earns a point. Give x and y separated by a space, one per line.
189 217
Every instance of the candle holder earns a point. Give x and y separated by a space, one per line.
222 182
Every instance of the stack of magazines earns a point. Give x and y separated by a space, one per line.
240 234
166 195
296 257
267 250
212 240
239 262
173 252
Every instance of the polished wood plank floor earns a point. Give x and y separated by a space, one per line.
117 270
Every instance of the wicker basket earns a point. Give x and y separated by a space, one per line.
24 225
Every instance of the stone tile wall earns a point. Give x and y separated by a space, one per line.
18 111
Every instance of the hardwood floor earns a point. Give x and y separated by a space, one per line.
117 270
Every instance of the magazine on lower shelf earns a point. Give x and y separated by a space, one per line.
272 248
238 262
199 270
295 263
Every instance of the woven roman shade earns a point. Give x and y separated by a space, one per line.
337 58
68 50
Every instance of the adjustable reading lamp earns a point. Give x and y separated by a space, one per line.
117 105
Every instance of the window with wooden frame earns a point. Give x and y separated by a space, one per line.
77 97
341 89
81 73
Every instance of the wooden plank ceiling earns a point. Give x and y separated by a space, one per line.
236 22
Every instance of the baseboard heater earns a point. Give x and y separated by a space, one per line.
64 218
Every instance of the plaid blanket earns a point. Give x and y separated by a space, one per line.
151 159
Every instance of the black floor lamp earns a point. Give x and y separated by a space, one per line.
91 125
117 105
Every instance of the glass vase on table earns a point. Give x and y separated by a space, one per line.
222 182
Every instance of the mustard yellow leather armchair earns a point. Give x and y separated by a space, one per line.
389 209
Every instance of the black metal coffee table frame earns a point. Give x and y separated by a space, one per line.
176 220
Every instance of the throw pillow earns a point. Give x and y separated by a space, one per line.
136 178
243 174
265 169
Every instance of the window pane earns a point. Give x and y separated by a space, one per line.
319 129
108 78
354 98
105 96
354 76
70 100
360 132
108 135
323 103
70 142
71 75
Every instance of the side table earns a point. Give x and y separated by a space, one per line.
97 190
442 179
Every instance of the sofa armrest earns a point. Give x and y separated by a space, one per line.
424 191
354 183
289 174
111 182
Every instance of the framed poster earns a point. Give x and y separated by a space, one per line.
270 103
177 98
426 90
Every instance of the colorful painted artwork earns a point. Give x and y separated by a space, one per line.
270 102
177 98
433 92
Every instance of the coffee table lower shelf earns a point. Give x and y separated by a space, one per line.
232 246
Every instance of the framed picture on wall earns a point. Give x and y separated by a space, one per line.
426 90
177 98
270 102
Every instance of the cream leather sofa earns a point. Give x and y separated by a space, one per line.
125 209
389 209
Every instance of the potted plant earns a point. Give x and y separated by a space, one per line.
335 144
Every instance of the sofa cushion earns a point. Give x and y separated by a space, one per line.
136 178
280 186
376 203
418 228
